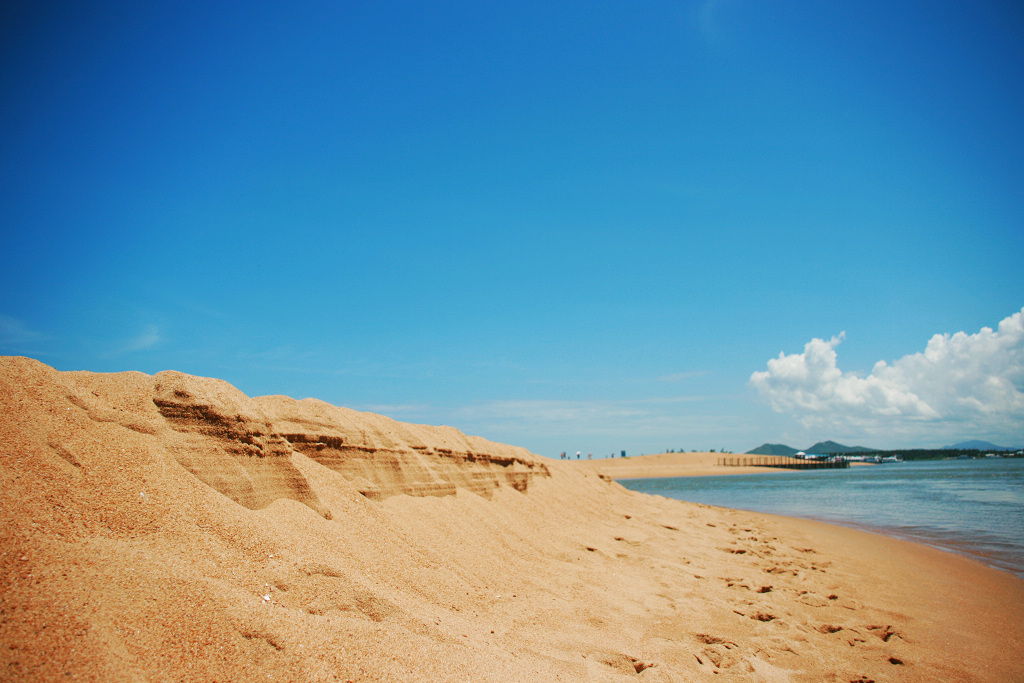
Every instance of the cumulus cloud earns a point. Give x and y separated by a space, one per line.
973 382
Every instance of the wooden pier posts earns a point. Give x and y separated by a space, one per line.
782 462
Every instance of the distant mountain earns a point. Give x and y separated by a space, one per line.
829 447
773 449
976 445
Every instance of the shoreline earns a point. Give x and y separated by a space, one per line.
671 465
945 545
169 526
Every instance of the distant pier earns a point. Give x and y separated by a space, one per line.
782 462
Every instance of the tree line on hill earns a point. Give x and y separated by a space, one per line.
833 448
944 453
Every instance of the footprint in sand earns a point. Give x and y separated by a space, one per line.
757 615
719 653
813 599
885 632
624 663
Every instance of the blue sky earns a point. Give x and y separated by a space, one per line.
593 226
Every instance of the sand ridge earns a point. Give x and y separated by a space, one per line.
168 527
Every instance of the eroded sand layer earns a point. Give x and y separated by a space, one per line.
168 527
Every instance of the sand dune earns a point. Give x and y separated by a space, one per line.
168 527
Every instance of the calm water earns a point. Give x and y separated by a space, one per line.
975 507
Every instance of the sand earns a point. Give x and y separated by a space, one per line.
170 528
675 465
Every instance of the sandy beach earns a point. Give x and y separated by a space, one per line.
695 464
170 528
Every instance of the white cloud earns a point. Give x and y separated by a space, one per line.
683 376
650 425
147 339
708 19
960 384
551 416
13 332
404 412
628 421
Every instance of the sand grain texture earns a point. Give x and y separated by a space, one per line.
168 528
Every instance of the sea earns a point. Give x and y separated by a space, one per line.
970 506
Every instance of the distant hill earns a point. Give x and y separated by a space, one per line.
828 447
821 448
833 448
976 445
773 449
